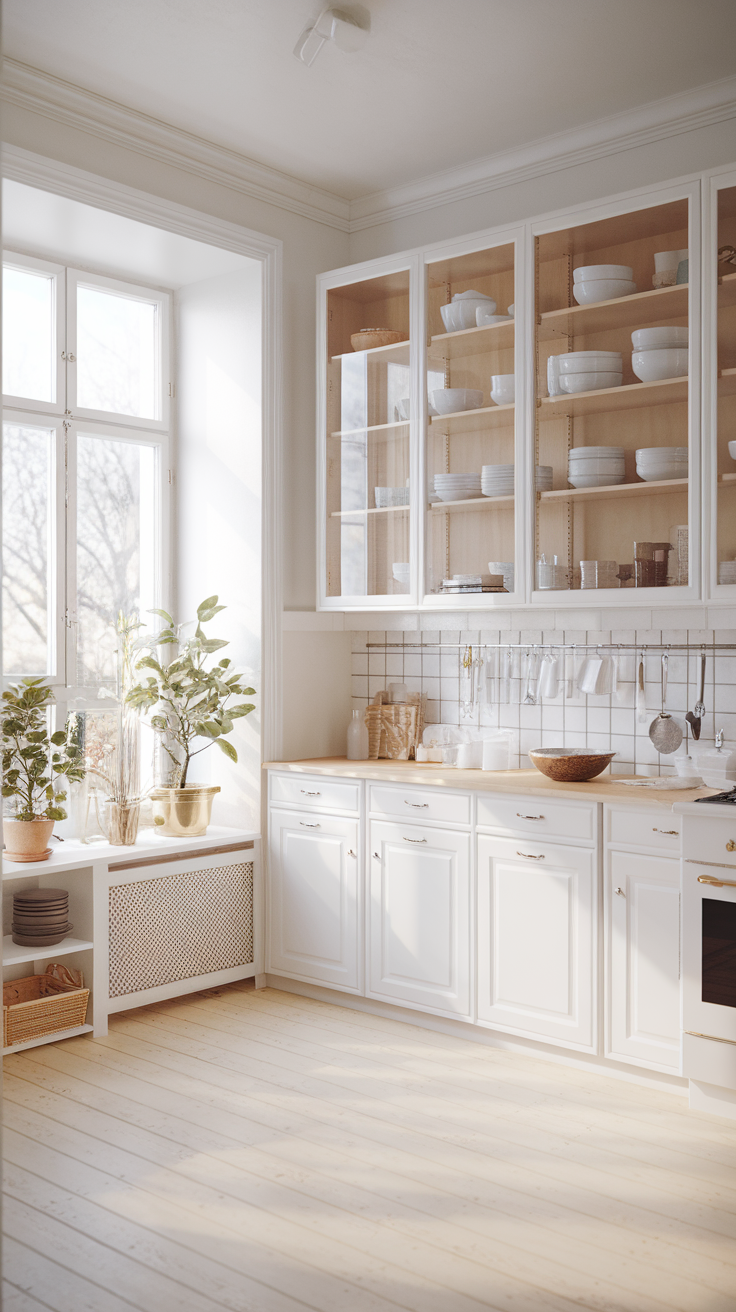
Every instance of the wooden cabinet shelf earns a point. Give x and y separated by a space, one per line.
474 341
727 478
632 396
387 429
371 510
626 311
619 490
474 503
396 353
15 955
492 416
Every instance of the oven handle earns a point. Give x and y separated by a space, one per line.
716 883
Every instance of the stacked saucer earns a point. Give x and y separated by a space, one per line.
654 463
457 487
40 917
498 480
596 466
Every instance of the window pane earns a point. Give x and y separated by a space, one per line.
117 353
27 552
28 335
116 527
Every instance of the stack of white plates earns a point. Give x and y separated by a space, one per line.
391 496
596 466
727 571
599 574
654 463
457 487
659 353
498 480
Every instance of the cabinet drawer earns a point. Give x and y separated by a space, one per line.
632 827
537 817
706 838
432 804
323 794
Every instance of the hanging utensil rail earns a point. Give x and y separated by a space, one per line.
670 647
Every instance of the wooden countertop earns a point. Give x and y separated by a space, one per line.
530 782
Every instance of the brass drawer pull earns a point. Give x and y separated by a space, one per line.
716 883
519 816
415 840
730 846
671 833
528 856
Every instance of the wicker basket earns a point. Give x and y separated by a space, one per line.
395 730
42 1004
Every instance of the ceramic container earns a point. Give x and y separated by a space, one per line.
732 450
567 765
663 362
648 339
590 381
602 289
503 388
460 313
484 318
590 272
449 400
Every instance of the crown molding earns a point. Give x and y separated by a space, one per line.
42 93
700 107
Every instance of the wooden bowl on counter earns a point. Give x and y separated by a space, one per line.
566 765
369 338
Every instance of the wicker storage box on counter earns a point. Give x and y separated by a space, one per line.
42 1004
394 731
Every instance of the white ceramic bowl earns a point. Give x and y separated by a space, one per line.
665 362
460 313
472 295
448 400
648 339
484 317
662 473
577 362
595 480
592 381
511 308
661 454
503 388
602 289
732 450
664 260
591 272
580 452
607 466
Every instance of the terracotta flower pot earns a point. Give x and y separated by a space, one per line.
27 840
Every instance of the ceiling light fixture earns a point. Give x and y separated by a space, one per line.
332 25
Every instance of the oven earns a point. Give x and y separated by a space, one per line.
709 945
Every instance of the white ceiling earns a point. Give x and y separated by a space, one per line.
438 83
39 223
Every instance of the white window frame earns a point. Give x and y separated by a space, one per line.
76 278
13 260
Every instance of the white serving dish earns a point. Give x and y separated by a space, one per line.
591 381
602 289
648 339
449 400
503 388
484 318
666 362
576 362
595 480
460 313
589 272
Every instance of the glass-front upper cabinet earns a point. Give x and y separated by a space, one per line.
366 512
470 531
722 275
617 364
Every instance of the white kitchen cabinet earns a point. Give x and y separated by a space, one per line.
537 940
419 932
314 890
643 959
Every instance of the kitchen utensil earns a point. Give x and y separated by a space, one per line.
566 765
641 700
590 674
665 732
549 677
700 704
531 679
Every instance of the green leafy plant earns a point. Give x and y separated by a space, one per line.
30 763
190 701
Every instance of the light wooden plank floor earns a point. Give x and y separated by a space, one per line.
261 1152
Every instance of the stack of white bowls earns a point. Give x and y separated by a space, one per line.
391 496
659 353
584 371
654 463
460 313
602 282
596 466
506 569
498 480
503 389
457 487
599 574
727 571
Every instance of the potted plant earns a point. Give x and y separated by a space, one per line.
192 703
33 763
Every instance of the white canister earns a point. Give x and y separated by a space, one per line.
470 756
398 693
497 753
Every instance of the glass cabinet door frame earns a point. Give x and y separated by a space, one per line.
489 239
715 181
405 262
629 203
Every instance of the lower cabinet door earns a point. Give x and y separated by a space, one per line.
643 921
314 872
536 940
419 944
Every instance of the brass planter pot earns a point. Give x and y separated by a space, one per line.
183 812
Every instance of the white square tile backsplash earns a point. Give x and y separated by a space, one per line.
605 723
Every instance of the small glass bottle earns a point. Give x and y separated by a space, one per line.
357 738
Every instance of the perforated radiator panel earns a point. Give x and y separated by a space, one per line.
180 926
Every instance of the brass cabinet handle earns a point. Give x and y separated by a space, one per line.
420 806
415 840
519 816
672 833
730 846
716 883
620 892
306 826
528 856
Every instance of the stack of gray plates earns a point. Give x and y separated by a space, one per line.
40 917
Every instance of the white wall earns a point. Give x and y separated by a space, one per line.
317 694
218 500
